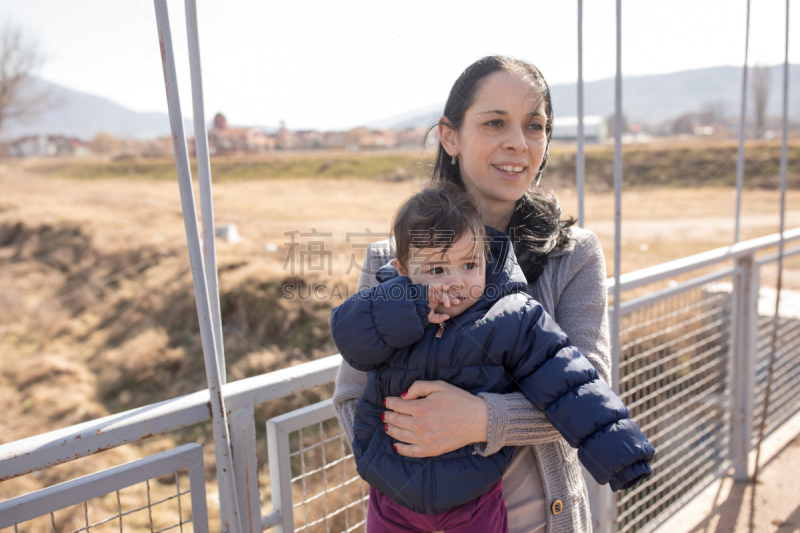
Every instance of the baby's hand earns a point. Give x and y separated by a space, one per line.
437 294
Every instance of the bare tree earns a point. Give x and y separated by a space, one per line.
715 111
105 143
20 56
610 123
760 90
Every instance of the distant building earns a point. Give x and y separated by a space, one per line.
694 124
283 137
594 128
160 147
306 140
335 140
378 139
414 137
222 139
44 145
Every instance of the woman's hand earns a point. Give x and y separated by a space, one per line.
435 417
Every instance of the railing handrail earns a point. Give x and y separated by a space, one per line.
63 445
631 280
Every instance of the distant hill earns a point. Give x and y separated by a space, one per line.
424 117
648 99
658 97
83 115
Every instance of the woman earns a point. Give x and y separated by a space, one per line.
494 139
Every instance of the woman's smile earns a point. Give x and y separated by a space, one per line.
511 170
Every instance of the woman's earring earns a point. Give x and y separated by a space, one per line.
453 160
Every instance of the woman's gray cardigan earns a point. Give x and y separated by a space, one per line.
572 288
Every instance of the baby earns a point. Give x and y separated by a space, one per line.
452 306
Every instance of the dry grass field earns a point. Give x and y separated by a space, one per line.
96 308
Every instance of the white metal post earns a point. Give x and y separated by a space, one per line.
222 445
617 310
204 181
601 499
245 465
615 319
776 316
280 475
580 159
743 369
742 124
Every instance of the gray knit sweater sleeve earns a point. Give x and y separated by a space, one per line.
573 289
573 284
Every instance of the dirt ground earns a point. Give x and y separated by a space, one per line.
658 223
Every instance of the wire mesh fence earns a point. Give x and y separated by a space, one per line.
673 367
164 492
168 508
327 493
785 390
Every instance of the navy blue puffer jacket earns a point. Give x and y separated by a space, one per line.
503 343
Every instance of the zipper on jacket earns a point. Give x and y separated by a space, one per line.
430 356
427 469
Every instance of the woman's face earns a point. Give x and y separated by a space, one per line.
502 140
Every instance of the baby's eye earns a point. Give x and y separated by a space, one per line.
470 266
436 270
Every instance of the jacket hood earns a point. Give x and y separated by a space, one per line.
503 274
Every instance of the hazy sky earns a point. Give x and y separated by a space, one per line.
336 64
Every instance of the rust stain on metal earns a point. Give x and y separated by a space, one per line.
219 402
59 461
78 437
247 483
163 50
210 412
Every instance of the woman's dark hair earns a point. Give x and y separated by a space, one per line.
535 228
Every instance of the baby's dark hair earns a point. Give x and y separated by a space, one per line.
436 217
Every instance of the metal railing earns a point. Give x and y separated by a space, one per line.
692 358
785 391
693 365
312 473
21 513
673 368
241 397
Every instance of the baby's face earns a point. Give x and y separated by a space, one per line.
461 268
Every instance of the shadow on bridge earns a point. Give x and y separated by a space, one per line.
776 497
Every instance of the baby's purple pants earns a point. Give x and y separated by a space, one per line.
487 513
